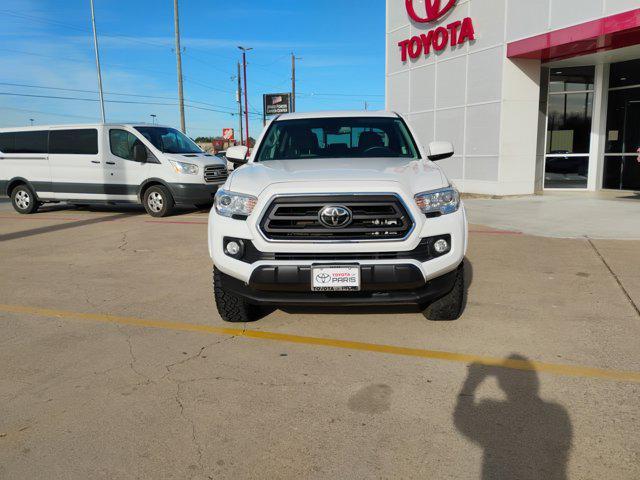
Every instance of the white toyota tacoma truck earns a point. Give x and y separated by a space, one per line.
338 209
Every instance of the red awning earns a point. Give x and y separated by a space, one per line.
610 33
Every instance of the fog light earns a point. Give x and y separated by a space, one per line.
441 246
234 248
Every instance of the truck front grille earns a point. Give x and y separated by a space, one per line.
373 217
215 174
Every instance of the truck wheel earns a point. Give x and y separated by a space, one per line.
451 306
158 201
232 307
24 200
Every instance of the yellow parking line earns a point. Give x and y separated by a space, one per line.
556 369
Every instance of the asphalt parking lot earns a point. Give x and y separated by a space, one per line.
116 365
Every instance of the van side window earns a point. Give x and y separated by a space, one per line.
122 142
24 142
74 142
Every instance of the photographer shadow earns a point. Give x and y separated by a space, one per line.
523 437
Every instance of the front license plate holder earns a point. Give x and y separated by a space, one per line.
335 278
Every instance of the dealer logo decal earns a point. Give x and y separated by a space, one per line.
434 8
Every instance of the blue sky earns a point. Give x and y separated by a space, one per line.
48 43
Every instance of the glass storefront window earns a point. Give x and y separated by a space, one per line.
574 79
625 74
566 172
622 143
621 173
569 123
569 119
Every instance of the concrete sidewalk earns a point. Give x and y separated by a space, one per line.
610 215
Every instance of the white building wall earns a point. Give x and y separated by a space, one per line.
472 95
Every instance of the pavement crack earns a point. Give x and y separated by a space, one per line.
123 242
194 437
197 355
616 278
133 360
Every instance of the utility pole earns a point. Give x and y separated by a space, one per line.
246 97
293 80
97 52
366 105
239 94
179 65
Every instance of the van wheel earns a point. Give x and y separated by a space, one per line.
231 307
451 306
24 200
158 201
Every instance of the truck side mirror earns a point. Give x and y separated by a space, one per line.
440 151
237 154
140 153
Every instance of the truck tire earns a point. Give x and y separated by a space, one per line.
231 307
451 306
158 201
24 199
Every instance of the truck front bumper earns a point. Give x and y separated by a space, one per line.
383 285
193 193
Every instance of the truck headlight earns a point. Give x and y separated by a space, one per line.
229 204
443 201
186 168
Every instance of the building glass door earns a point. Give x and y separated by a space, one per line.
622 157
569 118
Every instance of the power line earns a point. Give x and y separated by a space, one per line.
78 90
127 102
119 65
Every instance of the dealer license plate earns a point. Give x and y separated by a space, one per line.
332 278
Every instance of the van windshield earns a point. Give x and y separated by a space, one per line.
349 137
169 140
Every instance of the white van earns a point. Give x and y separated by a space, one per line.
106 163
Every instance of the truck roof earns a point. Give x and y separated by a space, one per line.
338 114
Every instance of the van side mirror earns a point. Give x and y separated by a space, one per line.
440 151
237 155
140 153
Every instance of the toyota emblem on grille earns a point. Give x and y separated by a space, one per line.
335 216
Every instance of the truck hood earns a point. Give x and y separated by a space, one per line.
414 176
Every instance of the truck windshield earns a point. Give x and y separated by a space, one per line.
169 140
352 137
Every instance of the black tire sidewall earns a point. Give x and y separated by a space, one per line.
33 204
167 201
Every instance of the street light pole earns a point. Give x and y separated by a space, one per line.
97 52
239 94
246 96
153 119
179 65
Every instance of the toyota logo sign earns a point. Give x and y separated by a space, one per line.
434 8
422 43
335 216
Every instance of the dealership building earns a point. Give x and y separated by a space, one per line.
534 94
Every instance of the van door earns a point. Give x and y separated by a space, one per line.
124 173
77 171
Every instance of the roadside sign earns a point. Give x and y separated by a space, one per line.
276 103
228 134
